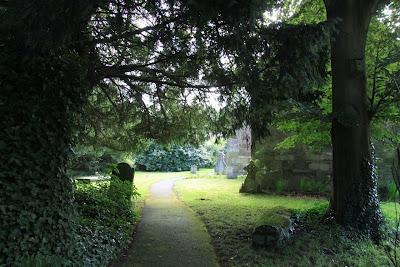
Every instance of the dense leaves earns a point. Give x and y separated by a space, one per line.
41 86
106 219
175 158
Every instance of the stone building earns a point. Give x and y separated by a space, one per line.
237 153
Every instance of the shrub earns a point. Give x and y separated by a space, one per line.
213 148
176 158
312 186
387 190
89 160
106 218
40 260
281 186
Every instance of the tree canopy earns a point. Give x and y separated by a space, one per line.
143 69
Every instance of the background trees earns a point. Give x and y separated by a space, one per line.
133 67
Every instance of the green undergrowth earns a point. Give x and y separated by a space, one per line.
103 226
231 217
106 219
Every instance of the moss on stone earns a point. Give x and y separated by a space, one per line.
278 216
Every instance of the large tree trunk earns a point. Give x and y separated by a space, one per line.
43 81
354 202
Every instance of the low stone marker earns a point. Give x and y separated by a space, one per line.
193 169
273 228
230 173
125 172
220 167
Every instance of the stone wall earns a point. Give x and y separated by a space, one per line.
294 170
300 170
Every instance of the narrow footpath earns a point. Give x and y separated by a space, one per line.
169 234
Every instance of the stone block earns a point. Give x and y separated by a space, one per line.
273 228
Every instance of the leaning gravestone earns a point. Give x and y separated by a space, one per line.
124 172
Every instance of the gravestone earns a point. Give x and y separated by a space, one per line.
220 167
124 172
193 169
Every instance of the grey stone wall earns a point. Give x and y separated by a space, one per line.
300 170
294 170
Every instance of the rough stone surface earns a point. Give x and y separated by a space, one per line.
169 234
291 167
238 153
273 229
298 168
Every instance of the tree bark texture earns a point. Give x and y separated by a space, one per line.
355 201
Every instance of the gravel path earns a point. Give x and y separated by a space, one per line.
169 233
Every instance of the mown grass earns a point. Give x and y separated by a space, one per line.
230 218
144 180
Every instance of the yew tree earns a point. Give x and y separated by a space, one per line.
52 56
54 53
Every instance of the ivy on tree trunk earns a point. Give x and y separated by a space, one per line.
355 201
43 81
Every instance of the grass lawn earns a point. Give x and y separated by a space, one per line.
230 218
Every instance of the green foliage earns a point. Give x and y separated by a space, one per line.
127 124
87 160
42 261
312 186
175 158
106 218
213 147
314 133
280 186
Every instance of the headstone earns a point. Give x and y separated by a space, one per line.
124 172
230 173
193 169
221 164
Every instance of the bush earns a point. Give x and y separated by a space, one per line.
312 186
177 158
281 186
106 218
213 148
387 190
40 260
87 160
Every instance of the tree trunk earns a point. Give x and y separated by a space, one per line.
43 82
355 201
